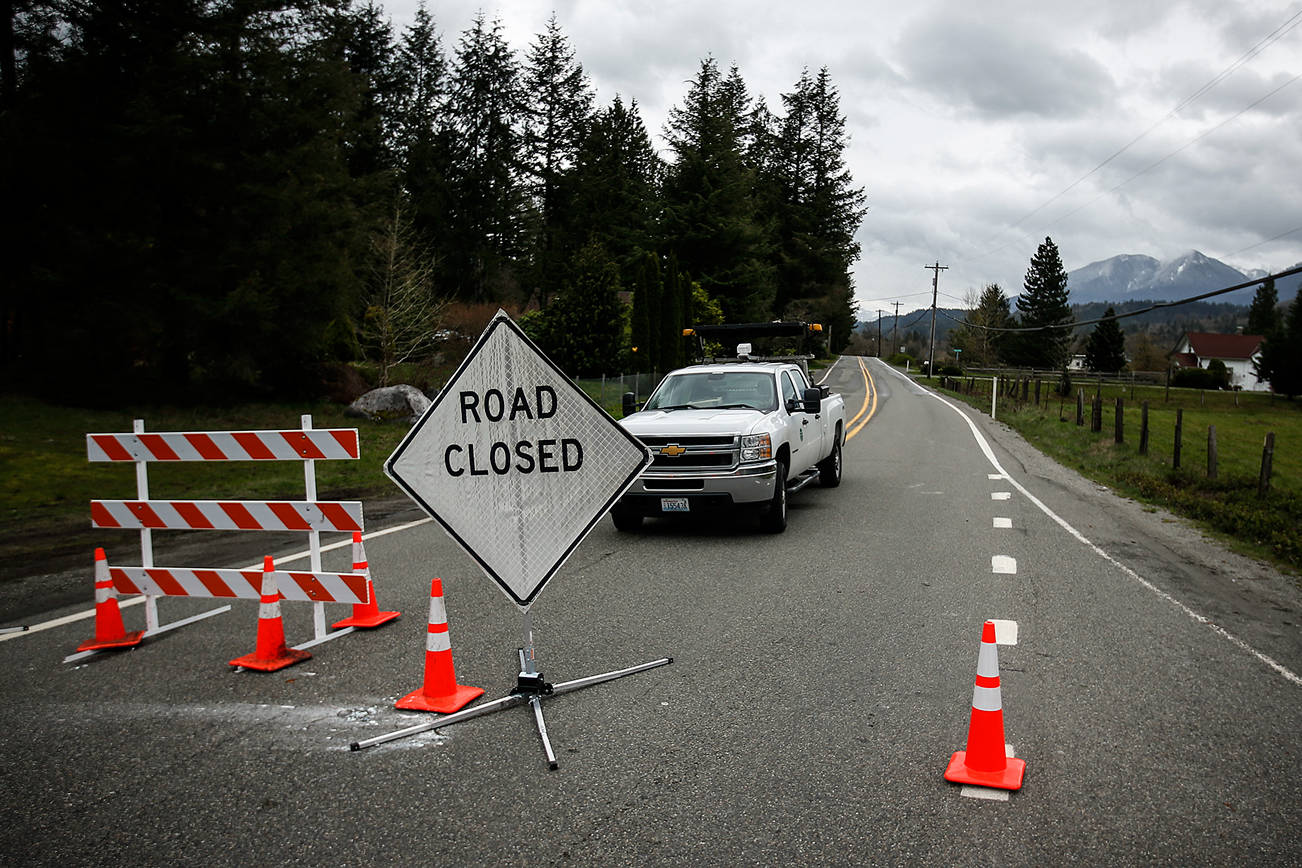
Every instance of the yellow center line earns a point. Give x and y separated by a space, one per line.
869 402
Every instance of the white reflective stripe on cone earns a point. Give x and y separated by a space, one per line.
988 660
438 613
269 610
103 593
439 641
986 699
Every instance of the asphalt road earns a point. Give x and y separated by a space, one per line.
821 680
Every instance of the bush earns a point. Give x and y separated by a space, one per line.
949 369
1201 378
901 358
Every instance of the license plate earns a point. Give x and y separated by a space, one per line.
673 504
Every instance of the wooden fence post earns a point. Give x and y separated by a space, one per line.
1080 406
1096 415
1143 430
1267 457
1211 452
1179 429
1118 423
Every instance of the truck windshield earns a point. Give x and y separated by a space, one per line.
716 391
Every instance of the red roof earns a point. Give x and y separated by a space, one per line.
1206 345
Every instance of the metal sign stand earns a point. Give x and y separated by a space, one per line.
507 390
530 687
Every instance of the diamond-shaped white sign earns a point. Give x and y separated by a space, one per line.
515 461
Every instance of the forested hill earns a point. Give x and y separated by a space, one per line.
215 199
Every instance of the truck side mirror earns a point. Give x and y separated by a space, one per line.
629 403
813 400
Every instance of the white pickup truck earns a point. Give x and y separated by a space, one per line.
736 433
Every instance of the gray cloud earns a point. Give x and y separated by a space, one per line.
990 69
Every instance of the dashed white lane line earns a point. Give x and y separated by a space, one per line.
1268 661
1003 565
1003 522
993 476
1001 495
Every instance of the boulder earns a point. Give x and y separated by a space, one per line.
400 403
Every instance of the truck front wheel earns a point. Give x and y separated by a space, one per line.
774 519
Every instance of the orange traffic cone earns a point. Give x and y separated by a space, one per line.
110 632
270 652
986 763
440 692
366 614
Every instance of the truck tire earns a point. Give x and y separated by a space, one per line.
774 519
829 469
625 520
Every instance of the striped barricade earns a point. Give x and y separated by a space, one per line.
310 515
309 445
342 516
311 587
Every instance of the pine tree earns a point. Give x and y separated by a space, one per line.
645 324
423 138
1263 315
613 190
488 197
981 338
1043 306
1106 348
710 216
557 112
586 323
1281 354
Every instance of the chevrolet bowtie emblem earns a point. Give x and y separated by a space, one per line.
673 450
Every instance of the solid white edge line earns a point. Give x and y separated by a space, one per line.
136 600
1215 628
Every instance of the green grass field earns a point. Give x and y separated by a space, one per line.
1229 505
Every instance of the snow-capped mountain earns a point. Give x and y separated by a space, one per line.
1134 277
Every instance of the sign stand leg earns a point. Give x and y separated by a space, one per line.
530 687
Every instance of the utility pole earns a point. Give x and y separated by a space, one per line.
895 331
935 288
879 333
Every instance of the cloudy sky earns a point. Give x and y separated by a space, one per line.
979 128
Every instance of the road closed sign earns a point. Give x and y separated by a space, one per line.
515 461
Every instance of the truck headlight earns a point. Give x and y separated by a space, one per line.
756 447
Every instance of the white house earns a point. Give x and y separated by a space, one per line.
1238 352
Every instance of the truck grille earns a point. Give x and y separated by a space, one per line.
688 453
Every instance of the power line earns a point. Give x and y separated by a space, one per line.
1157 306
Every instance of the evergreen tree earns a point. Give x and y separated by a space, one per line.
182 184
645 325
1281 354
423 138
980 338
557 112
585 324
710 209
488 198
1106 348
1042 306
366 37
1263 315
613 190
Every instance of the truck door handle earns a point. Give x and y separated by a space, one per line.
804 421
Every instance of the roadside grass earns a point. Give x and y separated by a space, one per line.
1228 506
47 483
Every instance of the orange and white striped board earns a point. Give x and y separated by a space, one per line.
241 584
344 516
309 445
